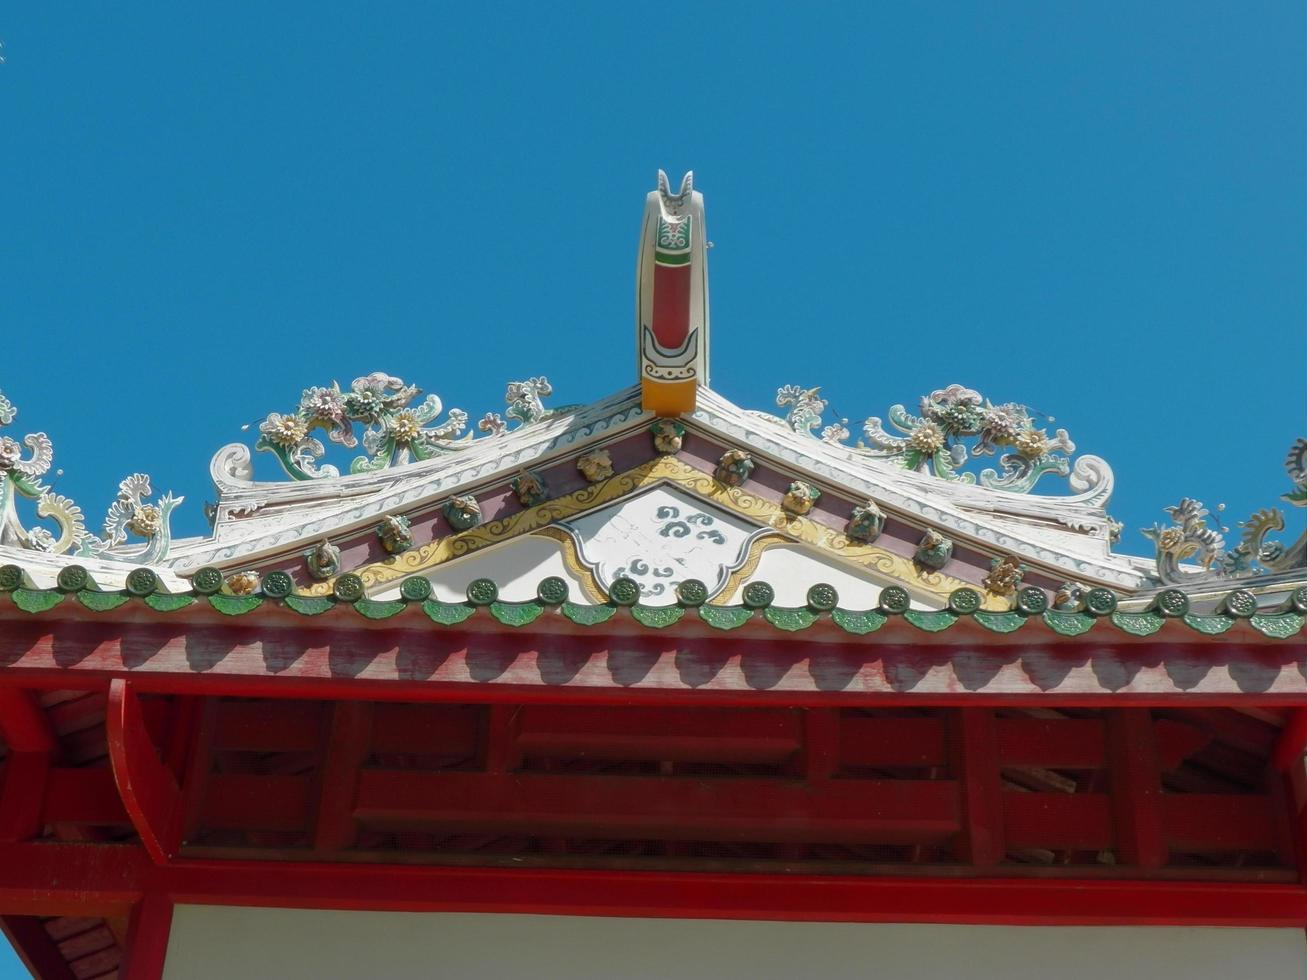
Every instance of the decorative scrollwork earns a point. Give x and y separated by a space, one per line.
130 514
395 428
20 477
1190 538
955 425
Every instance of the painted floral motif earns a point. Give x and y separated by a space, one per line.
396 427
323 560
954 425
530 488
1004 576
395 534
799 498
596 466
130 514
734 468
462 512
865 523
934 550
668 436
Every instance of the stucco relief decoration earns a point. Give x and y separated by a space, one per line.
865 523
668 436
933 551
20 478
322 560
530 488
1004 576
22 466
800 498
243 583
596 466
130 515
1189 549
805 409
395 535
462 512
734 468
659 539
384 415
953 427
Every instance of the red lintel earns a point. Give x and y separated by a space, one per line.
410 664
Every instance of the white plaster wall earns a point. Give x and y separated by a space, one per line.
515 566
215 943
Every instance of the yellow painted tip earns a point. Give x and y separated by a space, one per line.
667 398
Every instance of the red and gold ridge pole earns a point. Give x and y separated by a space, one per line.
671 291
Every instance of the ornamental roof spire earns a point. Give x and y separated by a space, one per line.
671 299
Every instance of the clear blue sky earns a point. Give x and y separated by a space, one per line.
1097 210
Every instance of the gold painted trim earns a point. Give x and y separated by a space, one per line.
737 578
572 561
702 485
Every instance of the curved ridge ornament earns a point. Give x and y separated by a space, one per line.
1189 538
953 426
129 514
20 478
379 412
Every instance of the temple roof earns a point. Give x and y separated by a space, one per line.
658 485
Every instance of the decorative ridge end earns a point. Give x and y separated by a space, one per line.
671 312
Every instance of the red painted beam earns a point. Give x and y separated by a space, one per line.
1058 821
101 880
108 880
148 788
22 795
267 726
736 896
348 745
828 670
661 734
618 807
975 756
1136 781
84 796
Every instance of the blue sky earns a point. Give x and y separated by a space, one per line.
1098 210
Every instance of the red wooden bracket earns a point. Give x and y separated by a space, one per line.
32 746
1136 780
147 937
148 788
976 764
349 740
